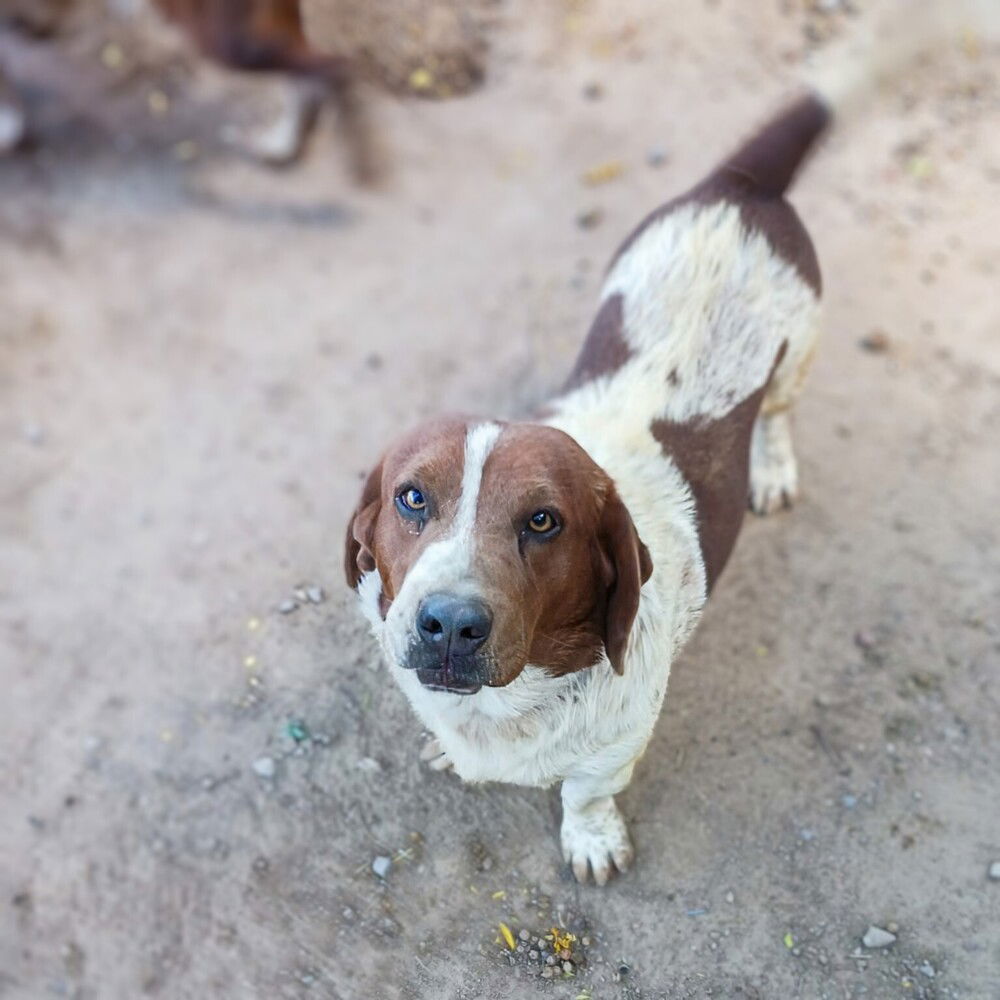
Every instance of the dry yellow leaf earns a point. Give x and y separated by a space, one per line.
603 172
508 936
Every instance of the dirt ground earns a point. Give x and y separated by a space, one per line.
198 361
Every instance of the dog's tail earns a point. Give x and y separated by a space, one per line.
881 43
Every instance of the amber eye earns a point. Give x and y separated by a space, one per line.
411 501
542 522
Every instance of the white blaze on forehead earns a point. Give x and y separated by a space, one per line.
479 442
446 564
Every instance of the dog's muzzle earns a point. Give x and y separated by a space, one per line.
450 634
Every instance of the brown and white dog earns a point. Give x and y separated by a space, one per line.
530 583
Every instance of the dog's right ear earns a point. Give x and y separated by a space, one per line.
359 554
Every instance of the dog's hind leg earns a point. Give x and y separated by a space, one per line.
12 121
774 475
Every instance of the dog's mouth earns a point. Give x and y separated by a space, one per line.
444 680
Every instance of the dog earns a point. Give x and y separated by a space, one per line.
531 582
267 36
261 36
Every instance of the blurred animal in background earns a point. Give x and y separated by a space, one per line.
267 36
261 36
33 17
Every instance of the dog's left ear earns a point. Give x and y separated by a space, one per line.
359 553
629 567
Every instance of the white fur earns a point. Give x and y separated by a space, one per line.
774 476
447 564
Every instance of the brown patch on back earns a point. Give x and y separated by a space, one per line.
754 178
714 458
605 350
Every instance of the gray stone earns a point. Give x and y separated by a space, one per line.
656 156
876 937
264 767
287 606
316 595
994 871
381 865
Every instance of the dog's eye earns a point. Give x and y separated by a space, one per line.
542 522
411 501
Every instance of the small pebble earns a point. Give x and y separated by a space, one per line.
994 871
876 937
567 966
730 897
593 91
523 934
369 764
864 640
589 218
533 954
381 865
848 801
877 342
264 767
928 970
656 156
316 595
33 434
547 973
287 606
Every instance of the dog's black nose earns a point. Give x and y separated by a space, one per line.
455 625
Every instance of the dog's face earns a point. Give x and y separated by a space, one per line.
497 545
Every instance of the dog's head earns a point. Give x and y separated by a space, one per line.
497 545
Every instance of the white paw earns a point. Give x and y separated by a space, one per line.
595 840
434 756
774 474
12 126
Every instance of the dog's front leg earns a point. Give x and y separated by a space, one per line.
594 835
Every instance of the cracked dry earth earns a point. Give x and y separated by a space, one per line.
198 360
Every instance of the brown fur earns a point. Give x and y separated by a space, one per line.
714 458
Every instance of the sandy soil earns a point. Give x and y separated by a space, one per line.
198 360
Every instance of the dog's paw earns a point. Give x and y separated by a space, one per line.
12 124
774 474
434 756
596 841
